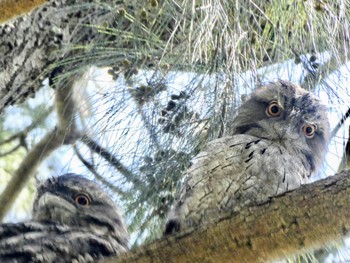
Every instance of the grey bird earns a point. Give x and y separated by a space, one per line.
74 220
277 142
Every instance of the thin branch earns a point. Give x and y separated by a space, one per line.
50 142
15 148
117 164
345 161
43 115
12 138
91 168
340 123
22 134
64 133
150 129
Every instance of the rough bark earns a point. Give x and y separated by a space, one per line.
307 218
33 46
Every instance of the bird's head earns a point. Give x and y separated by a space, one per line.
73 200
289 116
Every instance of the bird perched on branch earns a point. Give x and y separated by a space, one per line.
278 141
74 220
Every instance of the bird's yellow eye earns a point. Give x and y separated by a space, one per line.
274 109
309 130
82 199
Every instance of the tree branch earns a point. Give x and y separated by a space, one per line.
50 142
77 33
298 221
32 45
25 131
110 158
13 149
10 9
100 178
64 133
340 123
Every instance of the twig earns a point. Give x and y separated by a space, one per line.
95 147
315 75
30 127
91 168
15 148
340 123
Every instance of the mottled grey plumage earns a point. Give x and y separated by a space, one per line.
278 140
74 220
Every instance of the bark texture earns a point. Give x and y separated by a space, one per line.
31 45
180 33
307 218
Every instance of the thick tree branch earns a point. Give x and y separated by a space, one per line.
32 45
298 221
10 9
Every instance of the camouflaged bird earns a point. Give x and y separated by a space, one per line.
278 141
74 220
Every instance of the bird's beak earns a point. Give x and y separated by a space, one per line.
55 204
294 113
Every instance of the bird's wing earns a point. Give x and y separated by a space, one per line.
230 173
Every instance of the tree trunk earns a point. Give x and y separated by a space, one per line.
298 221
31 46
10 9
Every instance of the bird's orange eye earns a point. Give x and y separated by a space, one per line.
274 109
309 130
82 199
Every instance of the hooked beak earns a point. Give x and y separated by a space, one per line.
53 206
